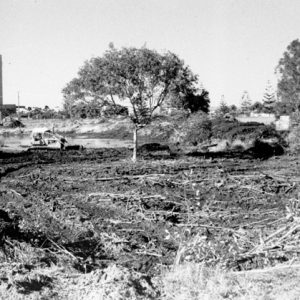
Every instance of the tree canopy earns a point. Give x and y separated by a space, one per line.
288 70
142 77
194 101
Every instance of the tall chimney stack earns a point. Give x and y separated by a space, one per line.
1 89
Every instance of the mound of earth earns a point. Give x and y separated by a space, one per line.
12 123
153 147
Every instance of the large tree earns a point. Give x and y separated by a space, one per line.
143 77
288 70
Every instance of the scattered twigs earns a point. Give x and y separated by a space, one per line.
256 190
216 212
270 237
275 177
294 228
100 195
113 178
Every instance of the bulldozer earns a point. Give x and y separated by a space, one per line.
44 138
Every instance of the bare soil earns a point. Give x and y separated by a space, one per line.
87 210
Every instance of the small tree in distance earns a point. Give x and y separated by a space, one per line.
223 109
257 107
269 99
143 77
246 103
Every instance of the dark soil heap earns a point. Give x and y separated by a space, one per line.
12 123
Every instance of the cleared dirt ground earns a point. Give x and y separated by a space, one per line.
65 215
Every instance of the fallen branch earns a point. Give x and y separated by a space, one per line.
262 221
205 226
289 232
149 253
274 234
266 270
63 249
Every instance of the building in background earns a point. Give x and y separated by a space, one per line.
9 109
5 109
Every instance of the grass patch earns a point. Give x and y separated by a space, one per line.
195 282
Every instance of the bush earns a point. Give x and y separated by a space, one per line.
193 130
162 131
198 129
166 128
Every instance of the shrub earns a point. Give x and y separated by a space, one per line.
198 129
193 130
161 132
164 128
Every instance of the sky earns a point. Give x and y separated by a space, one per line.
233 45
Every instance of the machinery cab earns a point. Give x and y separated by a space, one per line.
43 137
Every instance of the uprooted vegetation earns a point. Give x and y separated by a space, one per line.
90 218
205 134
10 122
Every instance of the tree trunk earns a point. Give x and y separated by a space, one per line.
135 144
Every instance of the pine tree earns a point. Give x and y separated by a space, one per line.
223 108
246 103
269 98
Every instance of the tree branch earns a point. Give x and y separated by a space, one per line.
161 97
112 99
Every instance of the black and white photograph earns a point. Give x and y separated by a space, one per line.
149 149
